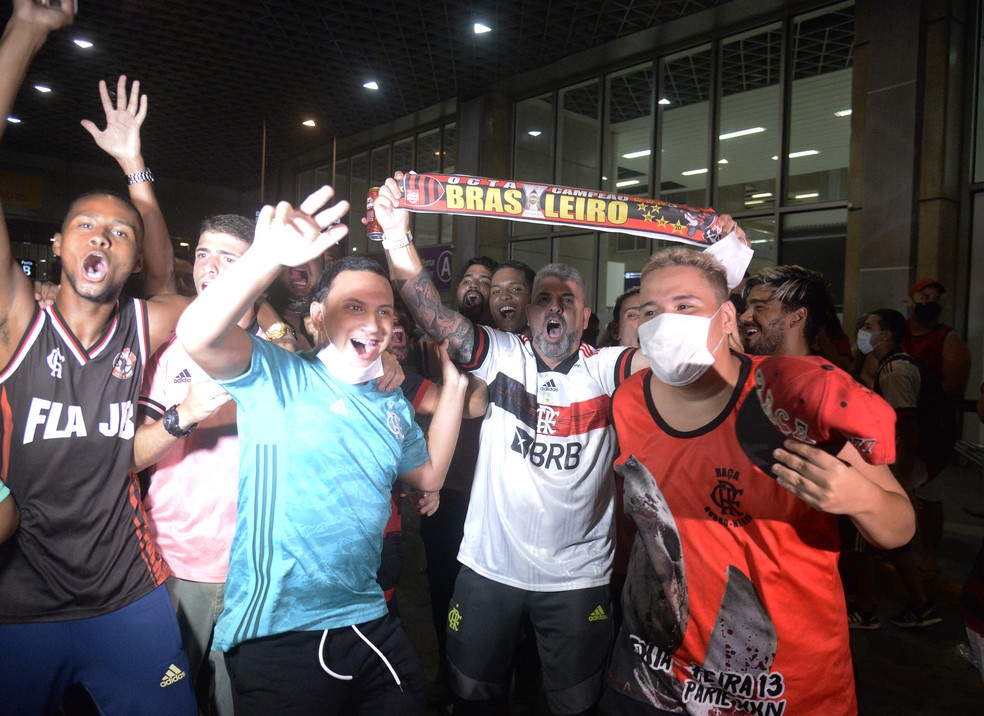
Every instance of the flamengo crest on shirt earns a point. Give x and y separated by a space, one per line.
55 360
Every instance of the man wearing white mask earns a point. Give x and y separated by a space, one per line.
732 600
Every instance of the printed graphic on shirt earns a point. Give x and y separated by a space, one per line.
57 421
736 670
123 364
548 421
725 499
655 566
55 360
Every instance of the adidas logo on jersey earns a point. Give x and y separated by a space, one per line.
182 377
172 676
338 408
598 615
549 385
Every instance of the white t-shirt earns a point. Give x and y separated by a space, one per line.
540 514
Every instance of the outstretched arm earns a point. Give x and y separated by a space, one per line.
413 281
847 485
24 35
121 141
285 236
442 435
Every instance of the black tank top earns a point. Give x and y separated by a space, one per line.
82 548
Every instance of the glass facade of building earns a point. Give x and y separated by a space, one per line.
711 122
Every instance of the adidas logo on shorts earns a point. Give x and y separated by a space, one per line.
172 676
597 615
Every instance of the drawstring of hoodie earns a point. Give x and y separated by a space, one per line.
344 677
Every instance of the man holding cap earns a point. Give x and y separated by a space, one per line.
733 599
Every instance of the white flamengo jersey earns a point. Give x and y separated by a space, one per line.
540 514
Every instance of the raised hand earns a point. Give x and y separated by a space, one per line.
53 15
292 237
121 137
393 221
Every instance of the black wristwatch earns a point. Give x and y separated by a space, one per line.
172 423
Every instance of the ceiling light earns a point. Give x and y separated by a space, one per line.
637 155
722 161
534 132
309 123
481 29
804 153
371 84
762 195
184 244
753 202
843 113
810 195
84 44
691 172
663 100
604 178
742 132
627 182
42 89
354 249
13 120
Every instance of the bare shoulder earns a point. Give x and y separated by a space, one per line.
163 312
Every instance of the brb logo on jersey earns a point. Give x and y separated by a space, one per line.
559 456
124 364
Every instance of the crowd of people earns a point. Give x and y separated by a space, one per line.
201 487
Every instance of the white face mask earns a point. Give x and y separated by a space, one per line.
676 346
864 341
339 366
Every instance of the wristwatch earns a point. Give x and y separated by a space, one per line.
278 330
172 423
140 177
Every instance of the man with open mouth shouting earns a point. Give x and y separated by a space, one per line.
79 565
292 293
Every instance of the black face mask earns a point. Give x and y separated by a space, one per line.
928 311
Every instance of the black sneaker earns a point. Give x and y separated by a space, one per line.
858 619
910 618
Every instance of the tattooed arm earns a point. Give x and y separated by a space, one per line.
413 281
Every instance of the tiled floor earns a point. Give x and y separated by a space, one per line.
899 672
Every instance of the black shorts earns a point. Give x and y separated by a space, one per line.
573 634
368 668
